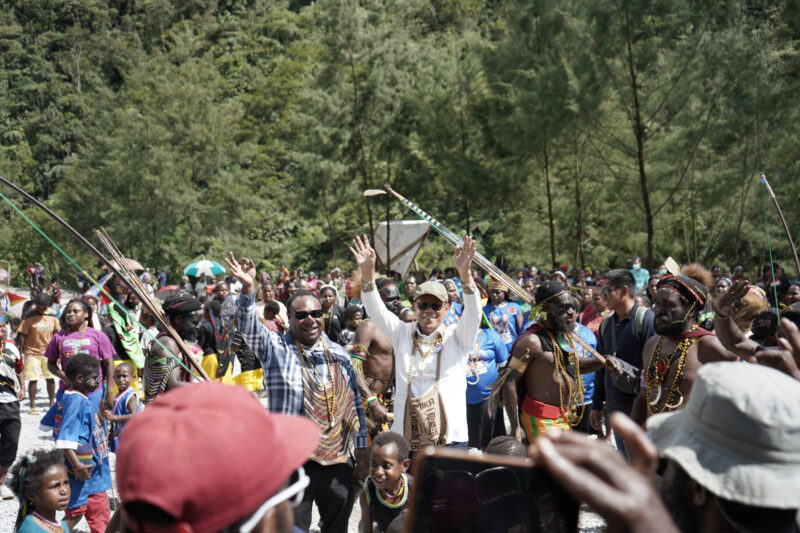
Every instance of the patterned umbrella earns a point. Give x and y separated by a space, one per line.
204 266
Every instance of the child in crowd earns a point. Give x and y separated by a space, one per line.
12 390
14 323
387 488
353 316
81 435
40 482
126 404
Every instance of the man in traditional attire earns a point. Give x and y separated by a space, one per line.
673 357
431 360
373 360
541 389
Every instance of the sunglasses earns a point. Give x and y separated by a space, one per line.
294 493
435 306
301 315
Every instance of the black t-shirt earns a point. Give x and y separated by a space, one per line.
381 512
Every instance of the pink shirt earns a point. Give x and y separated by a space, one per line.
67 343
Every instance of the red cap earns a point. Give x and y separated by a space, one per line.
209 454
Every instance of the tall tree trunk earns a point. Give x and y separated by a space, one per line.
638 131
466 208
388 238
360 138
579 219
325 209
693 212
551 222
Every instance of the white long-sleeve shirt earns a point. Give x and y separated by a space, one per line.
457 341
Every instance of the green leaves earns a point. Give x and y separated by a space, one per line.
189 128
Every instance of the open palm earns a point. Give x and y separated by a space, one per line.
244 271
365 257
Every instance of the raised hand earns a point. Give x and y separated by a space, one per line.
463 259
244 270
728 300
595 473
365 257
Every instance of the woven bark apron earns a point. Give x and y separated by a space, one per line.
332 407
425 422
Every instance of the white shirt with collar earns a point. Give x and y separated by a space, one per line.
457 341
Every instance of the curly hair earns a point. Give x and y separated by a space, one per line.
27 476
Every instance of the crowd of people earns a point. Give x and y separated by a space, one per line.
323 391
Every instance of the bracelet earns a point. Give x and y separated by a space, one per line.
368 286
520 363
468 289
370 400
721 317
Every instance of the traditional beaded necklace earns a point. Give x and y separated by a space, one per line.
573 399
401 494
435 345
328 396
48 524
658 369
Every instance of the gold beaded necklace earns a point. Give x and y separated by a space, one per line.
657 371
328 396
569 402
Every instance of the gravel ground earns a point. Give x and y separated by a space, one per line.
32 438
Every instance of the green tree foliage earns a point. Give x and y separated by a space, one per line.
575 131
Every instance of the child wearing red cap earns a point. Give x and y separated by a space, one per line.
387 488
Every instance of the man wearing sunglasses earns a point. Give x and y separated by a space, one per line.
430 359
306 373
223 464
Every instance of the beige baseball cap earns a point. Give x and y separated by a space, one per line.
434 288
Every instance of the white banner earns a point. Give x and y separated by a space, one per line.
405 239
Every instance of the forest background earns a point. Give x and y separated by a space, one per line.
574 131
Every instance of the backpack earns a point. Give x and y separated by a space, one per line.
628 381
638 323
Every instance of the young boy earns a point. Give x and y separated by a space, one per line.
81 435
33 336
353 316
387 488
126 404
14 323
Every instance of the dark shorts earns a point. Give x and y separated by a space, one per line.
10 426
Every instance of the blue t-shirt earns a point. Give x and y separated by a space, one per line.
453 314
81 429
29 525
504 321
487 353
588 379
120 408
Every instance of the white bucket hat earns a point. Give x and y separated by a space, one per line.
739 434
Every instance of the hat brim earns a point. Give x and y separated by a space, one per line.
721 469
